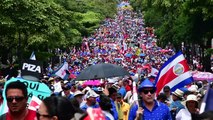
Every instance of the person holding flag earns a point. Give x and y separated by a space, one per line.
152 109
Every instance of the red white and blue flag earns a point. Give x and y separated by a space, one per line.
174 73
62 71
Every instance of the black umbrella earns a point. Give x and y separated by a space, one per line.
103 70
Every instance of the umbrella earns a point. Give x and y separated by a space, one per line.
202 76
128 55
103 70
92 82
72 76
142 55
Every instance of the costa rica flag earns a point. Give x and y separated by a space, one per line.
174 73
62 71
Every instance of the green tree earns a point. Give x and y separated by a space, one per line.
43 25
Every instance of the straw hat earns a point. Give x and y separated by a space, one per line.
51 79
78 93
178 93
2 80
191 97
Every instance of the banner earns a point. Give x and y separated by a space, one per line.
31 70
37 89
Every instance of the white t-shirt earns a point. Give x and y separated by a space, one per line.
183 114
128 96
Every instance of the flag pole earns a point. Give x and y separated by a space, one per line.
135 94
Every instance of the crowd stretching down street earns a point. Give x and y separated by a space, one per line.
145 93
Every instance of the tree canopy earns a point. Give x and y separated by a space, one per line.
177 21
42 25
181 21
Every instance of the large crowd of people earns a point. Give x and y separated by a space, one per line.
124 41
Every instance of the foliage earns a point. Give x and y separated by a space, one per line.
178 20
43 25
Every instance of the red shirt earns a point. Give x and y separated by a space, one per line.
30 116
128 88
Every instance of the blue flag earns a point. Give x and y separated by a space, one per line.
207 105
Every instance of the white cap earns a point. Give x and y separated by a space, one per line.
193 88
91 93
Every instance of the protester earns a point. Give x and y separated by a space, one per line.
207 115
128 96
176 105
122 108
78 95
162 98
191 108
167 91
113 96
90 100
67 92
152 108
122 89
106 106
16 96
56 108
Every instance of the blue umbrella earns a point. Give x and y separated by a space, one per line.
128 55
142 55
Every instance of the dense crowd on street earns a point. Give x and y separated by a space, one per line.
124 41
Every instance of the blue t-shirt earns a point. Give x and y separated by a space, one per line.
176 104
115 113
160 111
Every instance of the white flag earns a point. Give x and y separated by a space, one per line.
33 57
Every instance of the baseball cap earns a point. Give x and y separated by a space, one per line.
146 84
